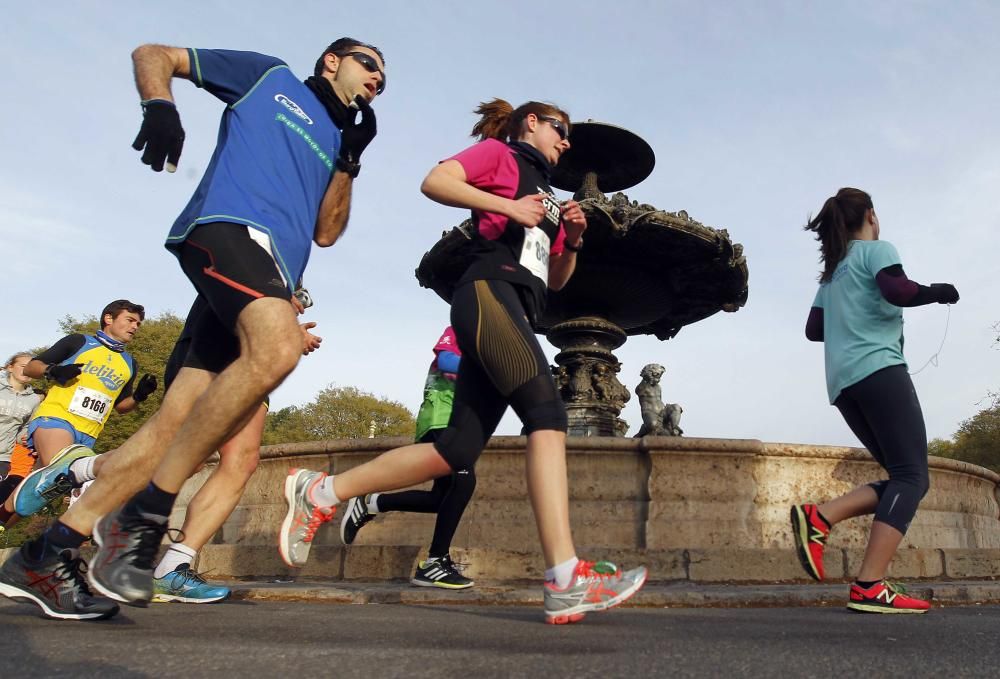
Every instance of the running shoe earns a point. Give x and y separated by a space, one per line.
53 481
303 518
127 545
811 532
440 572
885 597
186 585
56 584
355 517
594 587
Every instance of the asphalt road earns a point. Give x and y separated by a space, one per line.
275 639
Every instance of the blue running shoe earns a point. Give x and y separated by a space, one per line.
186 585
44 485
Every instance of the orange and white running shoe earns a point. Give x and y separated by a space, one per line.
594 587
303 518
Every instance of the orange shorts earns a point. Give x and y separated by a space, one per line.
22 459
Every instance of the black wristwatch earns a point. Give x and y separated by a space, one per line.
347 167
573 248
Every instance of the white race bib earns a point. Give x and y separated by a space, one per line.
535 253
89 404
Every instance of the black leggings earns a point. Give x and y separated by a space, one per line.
883 412
502 364
448 497
8 485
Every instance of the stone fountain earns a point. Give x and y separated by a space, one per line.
642 271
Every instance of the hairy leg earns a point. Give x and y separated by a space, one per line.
127 469
216 500
270 347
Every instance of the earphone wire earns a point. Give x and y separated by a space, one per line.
933 360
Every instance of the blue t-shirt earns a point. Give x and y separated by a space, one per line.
862 332
273 159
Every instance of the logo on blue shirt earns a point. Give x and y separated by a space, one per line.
293 107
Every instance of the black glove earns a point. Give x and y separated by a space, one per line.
62 374
145 387
946 293
161 133
356 137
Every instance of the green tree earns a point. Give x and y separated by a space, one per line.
151 348
977 440
339 412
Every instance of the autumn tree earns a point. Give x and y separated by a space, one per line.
339 412
977 440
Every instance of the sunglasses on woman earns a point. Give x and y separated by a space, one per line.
370 65
558 125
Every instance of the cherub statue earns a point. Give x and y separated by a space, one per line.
658 418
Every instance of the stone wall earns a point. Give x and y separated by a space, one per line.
703 509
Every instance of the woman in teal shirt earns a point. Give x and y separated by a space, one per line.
858 316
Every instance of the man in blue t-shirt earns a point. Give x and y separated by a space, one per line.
280 179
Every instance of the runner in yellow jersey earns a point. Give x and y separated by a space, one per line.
91 375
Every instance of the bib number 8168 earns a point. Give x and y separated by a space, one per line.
94 404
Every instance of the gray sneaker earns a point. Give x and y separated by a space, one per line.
56 584
122 567
595 587
303 518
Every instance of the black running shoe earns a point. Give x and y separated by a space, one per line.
440 572
56 584
122 567
356 516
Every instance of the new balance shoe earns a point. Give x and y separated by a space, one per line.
127 545
55 584
594 587
51 482
303 518
811 532
885 597
186 585
355 517
440 572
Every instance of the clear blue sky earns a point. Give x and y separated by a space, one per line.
756 111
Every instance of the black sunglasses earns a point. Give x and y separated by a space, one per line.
371 66
558 125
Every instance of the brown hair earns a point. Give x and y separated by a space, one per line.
118 306
842 215
502 121
10 361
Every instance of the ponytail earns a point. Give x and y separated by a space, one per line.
500 120
493 123
842 216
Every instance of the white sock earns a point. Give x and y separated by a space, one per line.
82 470
322 494
562 574
178 554
373 503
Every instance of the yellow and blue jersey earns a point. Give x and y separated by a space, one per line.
86 402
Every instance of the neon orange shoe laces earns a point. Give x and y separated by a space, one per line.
316 519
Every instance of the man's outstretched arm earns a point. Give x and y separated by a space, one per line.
161 137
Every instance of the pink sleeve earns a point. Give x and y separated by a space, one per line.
560 244
448 342
481 161
490 166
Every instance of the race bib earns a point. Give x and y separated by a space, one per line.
535 253
89 404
